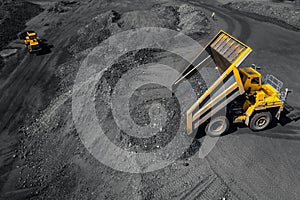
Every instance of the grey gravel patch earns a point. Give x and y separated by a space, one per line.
8 52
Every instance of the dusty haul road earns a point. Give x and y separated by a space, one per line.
266 163
243 164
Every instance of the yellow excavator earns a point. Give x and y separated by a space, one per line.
239 95
31 41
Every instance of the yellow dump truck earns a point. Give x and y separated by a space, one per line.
31 41
238 95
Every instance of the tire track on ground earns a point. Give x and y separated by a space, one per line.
177 186
218 187
14 91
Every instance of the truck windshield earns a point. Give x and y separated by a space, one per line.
255 80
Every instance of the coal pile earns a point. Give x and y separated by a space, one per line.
63 6
186 19
51 148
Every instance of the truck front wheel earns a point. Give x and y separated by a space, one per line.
29 49
260 121
217 126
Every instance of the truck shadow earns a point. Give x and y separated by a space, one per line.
289 114
45 48
196 143
192 150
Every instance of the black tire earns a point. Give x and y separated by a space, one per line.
217 126
260 121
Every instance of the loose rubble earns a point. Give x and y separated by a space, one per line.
50 146
63 6
286 15
184 18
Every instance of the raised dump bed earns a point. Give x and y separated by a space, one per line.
255 95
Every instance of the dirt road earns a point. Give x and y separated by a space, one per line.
265 164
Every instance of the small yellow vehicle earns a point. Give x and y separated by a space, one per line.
31 41
247 97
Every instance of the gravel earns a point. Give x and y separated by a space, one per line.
63 6
193 21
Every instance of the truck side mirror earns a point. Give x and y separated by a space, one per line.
254 66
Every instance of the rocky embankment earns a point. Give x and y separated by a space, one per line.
285 14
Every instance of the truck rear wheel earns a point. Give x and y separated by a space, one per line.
29 49
260 121
217 126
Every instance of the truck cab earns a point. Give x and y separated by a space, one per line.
251 79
